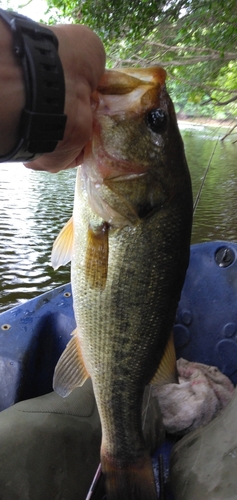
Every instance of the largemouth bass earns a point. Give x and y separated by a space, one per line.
128 241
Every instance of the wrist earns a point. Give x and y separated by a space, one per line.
12 91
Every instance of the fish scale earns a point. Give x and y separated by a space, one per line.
130 251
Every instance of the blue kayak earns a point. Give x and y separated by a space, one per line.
33 335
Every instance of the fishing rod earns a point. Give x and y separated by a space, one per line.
204 178
97 488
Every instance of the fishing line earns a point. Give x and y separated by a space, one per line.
146 407
204 178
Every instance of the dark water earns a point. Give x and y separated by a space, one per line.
34 206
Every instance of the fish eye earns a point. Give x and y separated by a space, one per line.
156 120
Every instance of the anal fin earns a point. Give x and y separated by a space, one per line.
167 370
70 371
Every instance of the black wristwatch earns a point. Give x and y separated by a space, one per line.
42 121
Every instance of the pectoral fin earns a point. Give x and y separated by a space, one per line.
70 371
62 247
167 371
97 256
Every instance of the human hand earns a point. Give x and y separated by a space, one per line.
83 59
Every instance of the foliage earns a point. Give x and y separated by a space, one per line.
194 39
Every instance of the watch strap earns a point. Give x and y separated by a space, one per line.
42 121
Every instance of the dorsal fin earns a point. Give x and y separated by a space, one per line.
167 370
62 247
70 371
97 256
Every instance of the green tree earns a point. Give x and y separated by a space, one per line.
194 39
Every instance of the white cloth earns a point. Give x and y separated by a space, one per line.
201 393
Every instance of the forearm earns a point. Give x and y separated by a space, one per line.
83 60
12 92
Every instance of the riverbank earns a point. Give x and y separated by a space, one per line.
208 121
226 128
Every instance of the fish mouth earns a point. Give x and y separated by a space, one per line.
128 90
124 80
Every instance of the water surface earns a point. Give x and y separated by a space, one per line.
215 217
34 206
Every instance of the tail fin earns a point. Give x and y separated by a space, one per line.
133 482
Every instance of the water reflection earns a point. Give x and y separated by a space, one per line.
34 206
